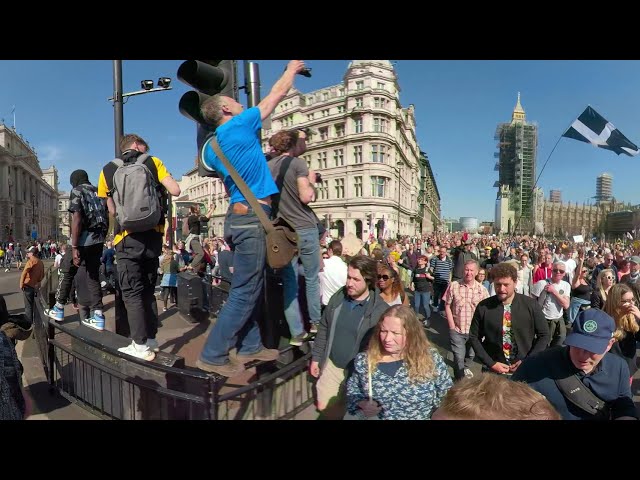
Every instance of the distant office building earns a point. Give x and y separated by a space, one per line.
28 195
555 196
516 166
470 224
452 225
604 187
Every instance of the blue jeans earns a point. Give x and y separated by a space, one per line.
424 299
574 308
463 354
237 323
309 253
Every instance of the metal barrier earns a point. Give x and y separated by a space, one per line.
81 368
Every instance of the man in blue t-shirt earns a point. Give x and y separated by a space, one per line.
238 134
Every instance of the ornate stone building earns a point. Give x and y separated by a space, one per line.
64 217
568 219
375 179
28 202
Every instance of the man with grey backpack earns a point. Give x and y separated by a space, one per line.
134 186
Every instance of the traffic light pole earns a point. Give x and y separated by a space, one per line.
118 120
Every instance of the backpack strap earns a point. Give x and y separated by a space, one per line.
576 392
118 162
142 158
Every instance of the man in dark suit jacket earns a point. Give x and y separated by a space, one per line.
507 327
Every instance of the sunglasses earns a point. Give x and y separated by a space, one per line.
609 277
384 277
555 270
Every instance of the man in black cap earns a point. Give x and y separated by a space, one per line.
584 357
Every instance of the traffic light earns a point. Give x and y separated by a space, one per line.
208 78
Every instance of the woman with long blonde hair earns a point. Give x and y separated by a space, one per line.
401 376
621 306
606 279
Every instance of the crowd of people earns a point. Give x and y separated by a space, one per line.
538 314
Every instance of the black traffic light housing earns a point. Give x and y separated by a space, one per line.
208 78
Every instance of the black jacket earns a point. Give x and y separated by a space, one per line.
528 326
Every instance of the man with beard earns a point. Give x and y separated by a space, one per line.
343 332
507 327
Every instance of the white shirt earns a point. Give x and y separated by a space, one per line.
550 304
56 262
332 278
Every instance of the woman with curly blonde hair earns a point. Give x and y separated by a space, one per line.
401 376
621 306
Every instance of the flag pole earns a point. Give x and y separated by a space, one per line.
14 117
515 229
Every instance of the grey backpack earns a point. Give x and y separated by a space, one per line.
135 194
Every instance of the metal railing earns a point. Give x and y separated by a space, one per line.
112 385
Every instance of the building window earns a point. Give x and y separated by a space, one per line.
380 102
357 154
378 186
341 109
287 121
338 157
339 130
324 133
359 101
309 100
360 85
339 187
325 113
310 116
378 153
322 160
325 96
324 190
381 86
357 125
380 124
307 158
341 92
357 184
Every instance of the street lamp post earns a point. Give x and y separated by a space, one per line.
118 97
164 84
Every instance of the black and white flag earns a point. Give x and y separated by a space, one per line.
593 128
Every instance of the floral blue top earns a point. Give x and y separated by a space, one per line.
400 399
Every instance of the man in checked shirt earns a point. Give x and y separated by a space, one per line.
460 301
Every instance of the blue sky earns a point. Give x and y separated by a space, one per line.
62 110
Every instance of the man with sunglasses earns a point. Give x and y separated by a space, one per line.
554 296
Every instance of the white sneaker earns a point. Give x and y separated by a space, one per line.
139 351
468 373
152 343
